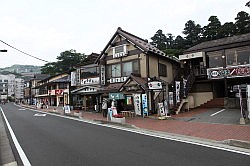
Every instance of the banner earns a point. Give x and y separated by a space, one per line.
171 98
144 104
177 90
137 103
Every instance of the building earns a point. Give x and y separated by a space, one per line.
53 90
129 66
19 89
218 66
85 83
7 86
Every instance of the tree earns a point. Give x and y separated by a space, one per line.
159 40
170 40
211 31
66 61
193 33
49 68
179 42
242 23
228 29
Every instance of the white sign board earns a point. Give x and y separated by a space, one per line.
155 85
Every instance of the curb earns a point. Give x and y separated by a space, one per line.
237 143
6 154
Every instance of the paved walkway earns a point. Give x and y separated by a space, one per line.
217 132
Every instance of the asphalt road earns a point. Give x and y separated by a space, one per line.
51 140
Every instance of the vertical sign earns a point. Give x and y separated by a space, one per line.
161 109
102 75
177 90
137 103
171 99
144 104
73 78
184 87
248 100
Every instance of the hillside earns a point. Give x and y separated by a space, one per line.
24 71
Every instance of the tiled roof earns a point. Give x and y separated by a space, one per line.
112 87
139 42
139 80
220 42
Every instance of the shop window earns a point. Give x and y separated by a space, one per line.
215 59
238 56
162 70
130 67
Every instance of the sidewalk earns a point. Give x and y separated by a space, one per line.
216 132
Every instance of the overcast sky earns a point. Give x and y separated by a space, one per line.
45 28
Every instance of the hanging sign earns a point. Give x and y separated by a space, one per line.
137 103
155 85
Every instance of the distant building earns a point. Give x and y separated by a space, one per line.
19 88
7 86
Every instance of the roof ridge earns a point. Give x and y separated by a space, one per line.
121 30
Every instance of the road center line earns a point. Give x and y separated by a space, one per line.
18 146
217 112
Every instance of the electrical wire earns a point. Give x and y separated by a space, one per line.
24 52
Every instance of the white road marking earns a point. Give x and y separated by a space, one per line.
37 114
217 112
18 146
21 109
158 134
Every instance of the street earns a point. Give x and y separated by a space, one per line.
52 140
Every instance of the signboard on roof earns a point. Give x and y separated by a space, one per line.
154 85
191 55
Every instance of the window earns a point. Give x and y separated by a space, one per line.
63 86
113 70
215 59
116 70
130 67
162 70
119 51
238 56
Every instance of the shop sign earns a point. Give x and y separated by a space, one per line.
116 96
73 78
90 81
102 74
144 104
237 71
155 85
56 92
137 103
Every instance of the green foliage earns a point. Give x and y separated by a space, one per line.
242 23
212 30
159 40
66 61
195 34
